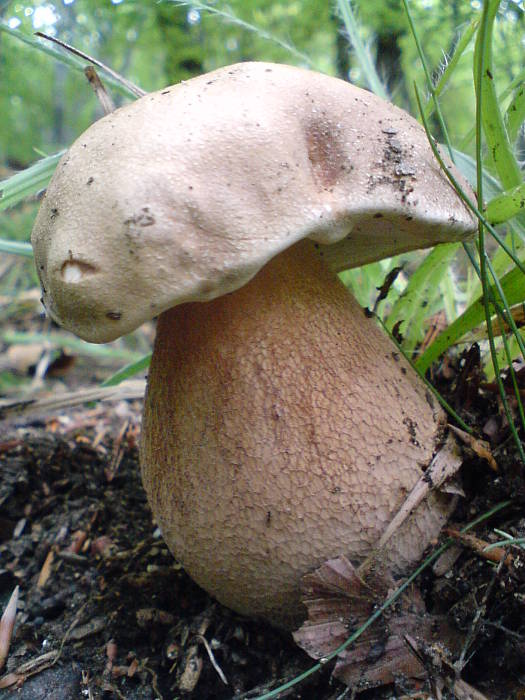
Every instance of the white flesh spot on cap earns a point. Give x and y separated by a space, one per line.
73 271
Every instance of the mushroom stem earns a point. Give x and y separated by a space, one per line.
281 429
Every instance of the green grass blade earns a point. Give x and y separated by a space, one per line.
361 52
513 241
70 342
515 385
489 117
513 286
48 49
421 291
506 205
499 148
470 204
505 314
227 15
430 85
16 248
467 166
449 294
462 45
515 114
503 308
129 371
28 181
513 85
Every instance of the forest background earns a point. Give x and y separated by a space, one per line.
45 103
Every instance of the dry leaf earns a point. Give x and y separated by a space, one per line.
339 599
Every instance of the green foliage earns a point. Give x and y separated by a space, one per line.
500 153
506 205
422 296
69 342
28 181
48 103
130 370
513 286
515 114
490 120
364 59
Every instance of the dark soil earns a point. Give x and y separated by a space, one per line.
106 612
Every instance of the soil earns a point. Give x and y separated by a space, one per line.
106 612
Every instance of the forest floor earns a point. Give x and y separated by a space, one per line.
106 612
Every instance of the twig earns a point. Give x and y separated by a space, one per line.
118 452
100 91
441 671
497 555
154 682
139 92
460 663
130 389
28 669
45 571
505 630
480 447
444 466
215 665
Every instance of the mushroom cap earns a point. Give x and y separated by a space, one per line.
186 193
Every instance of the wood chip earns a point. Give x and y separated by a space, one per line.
495 554
45 571
480 447
7 623
94 626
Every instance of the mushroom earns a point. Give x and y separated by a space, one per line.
281 426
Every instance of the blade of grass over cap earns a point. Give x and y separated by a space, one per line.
130 87
28 181
67 59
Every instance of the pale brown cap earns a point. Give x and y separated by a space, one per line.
186 193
